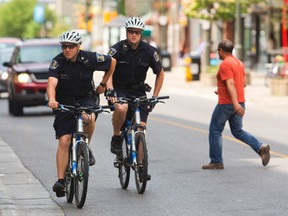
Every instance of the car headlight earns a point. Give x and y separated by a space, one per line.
4 76
23 78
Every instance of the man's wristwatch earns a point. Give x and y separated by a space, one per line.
103 85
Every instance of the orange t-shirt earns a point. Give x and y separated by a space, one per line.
230 68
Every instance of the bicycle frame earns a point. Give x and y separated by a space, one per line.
135 128
77 137
77 173
135 151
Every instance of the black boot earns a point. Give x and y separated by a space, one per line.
59 188
116 145
92 159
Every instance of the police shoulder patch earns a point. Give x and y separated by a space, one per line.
112 51
156 56
54 64
100 57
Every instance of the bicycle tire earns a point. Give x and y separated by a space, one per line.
81 180
69 181
141 171
124 169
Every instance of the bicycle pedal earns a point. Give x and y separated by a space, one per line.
79 178
116 164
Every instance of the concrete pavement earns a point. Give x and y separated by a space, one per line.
21 193
257 94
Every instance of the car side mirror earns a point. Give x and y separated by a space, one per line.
7 64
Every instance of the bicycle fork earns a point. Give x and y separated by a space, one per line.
75 143
134 131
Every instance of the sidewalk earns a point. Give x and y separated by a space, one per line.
257 95
21 193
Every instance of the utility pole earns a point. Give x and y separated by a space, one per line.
238 32
87 14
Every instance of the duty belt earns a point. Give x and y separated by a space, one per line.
136 87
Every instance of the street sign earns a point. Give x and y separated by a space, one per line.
39 12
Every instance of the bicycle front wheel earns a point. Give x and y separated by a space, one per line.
81 180
141 171
124 169
69 181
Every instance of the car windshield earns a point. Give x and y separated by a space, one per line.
5 54
6 45
44 53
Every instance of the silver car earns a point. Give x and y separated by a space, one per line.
7 45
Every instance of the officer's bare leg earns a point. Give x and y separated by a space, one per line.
89 128
119 117
62 155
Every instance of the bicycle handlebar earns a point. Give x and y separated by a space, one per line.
87 109
142 100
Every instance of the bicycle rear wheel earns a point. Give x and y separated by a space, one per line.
124 169
141 170
81 180
69 181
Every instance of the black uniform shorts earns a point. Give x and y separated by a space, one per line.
127 93
64 122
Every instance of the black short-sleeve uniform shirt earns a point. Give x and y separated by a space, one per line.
75 78
75 84
131 71
132 65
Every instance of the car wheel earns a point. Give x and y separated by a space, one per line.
16 109
10 106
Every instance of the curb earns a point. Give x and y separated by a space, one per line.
21 193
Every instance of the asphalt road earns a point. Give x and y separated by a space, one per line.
178 146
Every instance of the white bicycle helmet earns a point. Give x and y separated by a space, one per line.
70 37
134 22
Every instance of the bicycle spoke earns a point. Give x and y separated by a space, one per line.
81 184
141 170
123 168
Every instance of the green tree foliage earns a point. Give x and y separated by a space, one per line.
16 19
121 7
217 10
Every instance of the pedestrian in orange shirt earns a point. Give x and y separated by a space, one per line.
231 108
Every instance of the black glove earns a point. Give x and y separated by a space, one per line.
151 106
110 93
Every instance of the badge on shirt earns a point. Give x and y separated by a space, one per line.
112 51
100 57
156 56
54 64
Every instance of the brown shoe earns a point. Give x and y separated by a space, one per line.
213 166
265 154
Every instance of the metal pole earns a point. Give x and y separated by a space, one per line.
87 14
238 32
284 30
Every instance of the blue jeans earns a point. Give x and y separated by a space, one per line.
221 114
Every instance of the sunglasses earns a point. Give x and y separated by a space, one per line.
134 32
69 46
218 50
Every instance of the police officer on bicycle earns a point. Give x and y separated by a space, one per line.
134 57
70 81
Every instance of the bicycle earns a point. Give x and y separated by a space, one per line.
134 149
77 173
